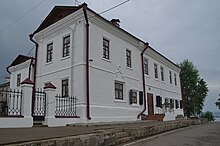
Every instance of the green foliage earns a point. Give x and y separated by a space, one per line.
218 103
208 115
194 89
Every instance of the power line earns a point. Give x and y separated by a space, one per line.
19 18
114 7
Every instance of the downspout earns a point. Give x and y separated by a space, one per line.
35 70
143 79
84 5
29 73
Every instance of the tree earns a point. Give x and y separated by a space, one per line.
208 115
218 103
194 89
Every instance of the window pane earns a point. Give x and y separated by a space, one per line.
105 48
118 91
66 46
146 66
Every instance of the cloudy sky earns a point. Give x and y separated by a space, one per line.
186 29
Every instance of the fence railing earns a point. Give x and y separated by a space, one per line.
65 106
10 102
39 105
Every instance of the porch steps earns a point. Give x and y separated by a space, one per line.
39 124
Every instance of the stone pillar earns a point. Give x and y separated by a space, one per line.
50 89
27 88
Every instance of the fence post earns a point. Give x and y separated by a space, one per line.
50 89
27 88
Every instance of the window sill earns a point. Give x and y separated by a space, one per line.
48 63
64 58
107 60
146 75
156 79
135 105
119 101
129 68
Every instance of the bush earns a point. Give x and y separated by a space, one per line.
208 115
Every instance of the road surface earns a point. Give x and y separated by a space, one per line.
201 135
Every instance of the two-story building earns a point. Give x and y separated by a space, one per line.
114 75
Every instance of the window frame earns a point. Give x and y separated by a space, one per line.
128 58
155 71
49 53
162 73
119 91
65 87
146 66
106 49
18 79
170 77
66 46
175 79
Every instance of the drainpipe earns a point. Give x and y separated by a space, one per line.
29 73
143 79
35 69
84 5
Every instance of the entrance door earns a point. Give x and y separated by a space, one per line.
150 103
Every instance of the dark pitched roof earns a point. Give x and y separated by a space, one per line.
19 59
56 14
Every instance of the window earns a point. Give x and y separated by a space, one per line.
177 104
167 104
49 52
133 96
181 104
162 73
105 48
155 71
65 88
18 79
170 75
128 58
146 66
66 46
118 90
175 80
171 103
158 101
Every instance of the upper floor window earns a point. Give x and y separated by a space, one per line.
170 76
162 73
155 71
146 66
105 48
118 90
128 58
65 88
18 79
66 46
175 80
49 52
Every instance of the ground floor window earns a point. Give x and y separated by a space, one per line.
177 104
65 88
119 90
158 101
133 96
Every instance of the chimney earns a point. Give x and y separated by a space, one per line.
115 22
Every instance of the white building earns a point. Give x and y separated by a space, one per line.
84 55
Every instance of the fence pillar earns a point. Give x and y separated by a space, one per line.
27 88
50 89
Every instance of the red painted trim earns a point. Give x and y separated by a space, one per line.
143 79
49 86
27 81
84 5
35 70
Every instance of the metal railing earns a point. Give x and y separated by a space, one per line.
65 106
39 105
10 102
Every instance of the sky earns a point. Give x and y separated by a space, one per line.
186 29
